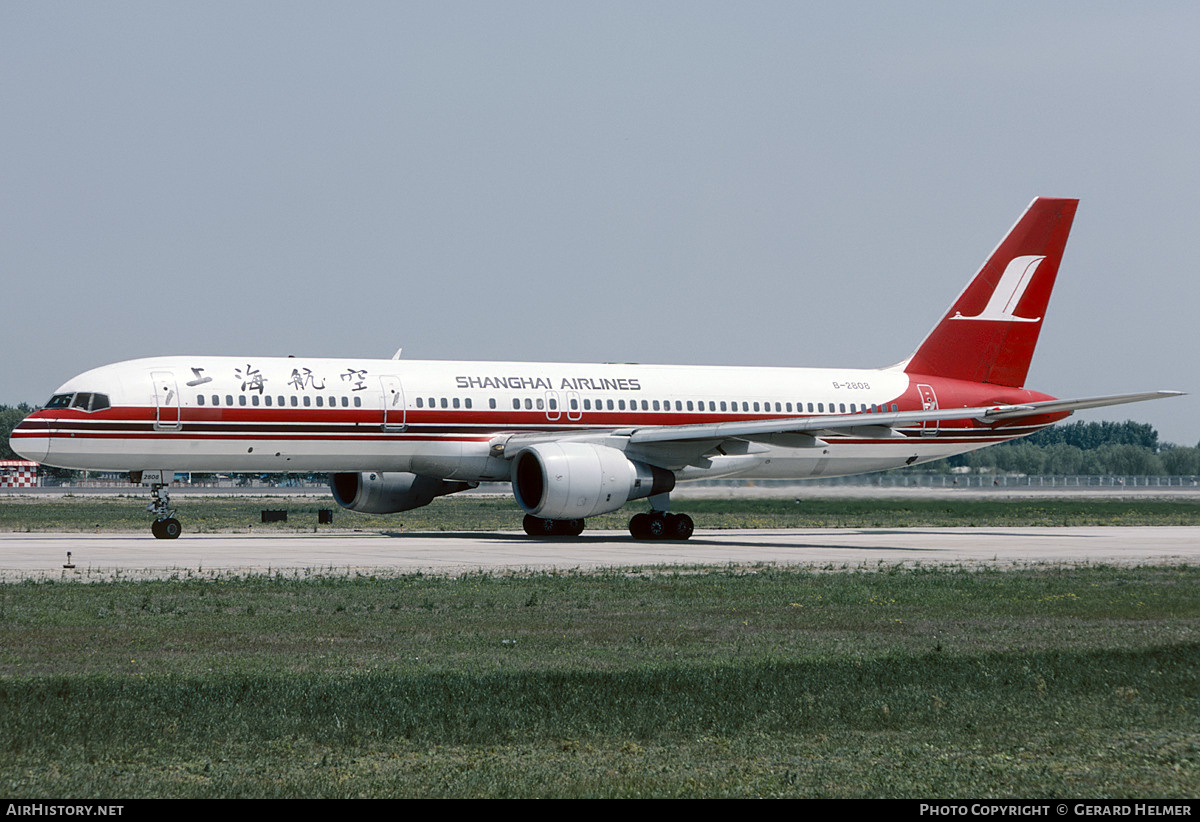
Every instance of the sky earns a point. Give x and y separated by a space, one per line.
750 183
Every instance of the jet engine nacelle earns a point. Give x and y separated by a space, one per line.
374 492
571 480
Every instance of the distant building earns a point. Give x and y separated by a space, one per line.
19 474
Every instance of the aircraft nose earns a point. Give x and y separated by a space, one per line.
30 439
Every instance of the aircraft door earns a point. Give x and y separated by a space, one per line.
553 412
929 428
166 401
574 406
394 408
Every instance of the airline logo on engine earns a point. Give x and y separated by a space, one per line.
548 383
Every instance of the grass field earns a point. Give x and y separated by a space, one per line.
203 514
765 682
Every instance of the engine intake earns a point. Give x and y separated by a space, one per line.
570 480
388 493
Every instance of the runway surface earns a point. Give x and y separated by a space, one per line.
102 557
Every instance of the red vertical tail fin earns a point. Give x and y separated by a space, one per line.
990 331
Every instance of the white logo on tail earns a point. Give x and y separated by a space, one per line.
1016 278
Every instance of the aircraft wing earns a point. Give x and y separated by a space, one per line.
705 436
1055 406
894 419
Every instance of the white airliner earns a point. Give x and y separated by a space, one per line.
574 440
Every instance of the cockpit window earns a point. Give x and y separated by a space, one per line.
84 401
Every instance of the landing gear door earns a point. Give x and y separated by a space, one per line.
394 409
929 428
166 401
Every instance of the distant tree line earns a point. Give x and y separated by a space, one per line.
1087 435
9 417
1087 448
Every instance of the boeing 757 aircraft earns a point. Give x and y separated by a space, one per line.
574 440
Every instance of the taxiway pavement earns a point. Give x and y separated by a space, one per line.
104 556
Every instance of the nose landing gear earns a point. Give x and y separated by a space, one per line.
168 528
165 526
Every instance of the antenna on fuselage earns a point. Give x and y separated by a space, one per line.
396 356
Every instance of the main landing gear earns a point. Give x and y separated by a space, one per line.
538 527
165 526
653 525
658 523
661 525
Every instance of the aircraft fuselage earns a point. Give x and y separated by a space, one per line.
443 419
